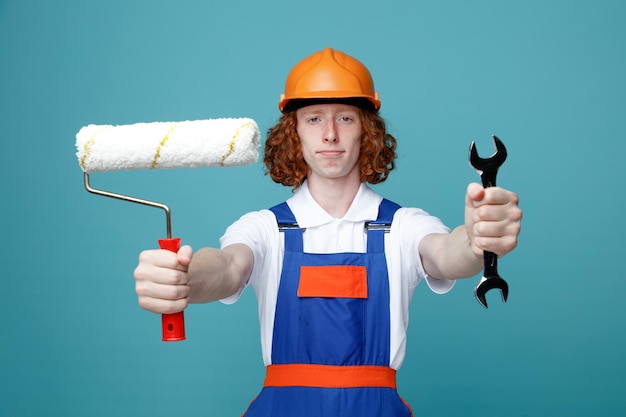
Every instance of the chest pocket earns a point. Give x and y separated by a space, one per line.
331 313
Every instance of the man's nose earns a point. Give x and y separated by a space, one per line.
330 133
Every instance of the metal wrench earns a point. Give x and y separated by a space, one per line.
488 169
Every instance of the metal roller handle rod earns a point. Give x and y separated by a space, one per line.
168 215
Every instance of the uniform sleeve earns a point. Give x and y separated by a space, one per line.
259 232
412 225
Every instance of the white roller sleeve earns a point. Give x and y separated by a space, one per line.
157 145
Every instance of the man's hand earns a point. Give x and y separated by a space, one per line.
161 280
492 219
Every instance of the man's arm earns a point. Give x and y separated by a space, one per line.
167 282
216 274
492 223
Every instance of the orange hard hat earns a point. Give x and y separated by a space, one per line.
329 74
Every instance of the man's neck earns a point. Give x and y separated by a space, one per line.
334 196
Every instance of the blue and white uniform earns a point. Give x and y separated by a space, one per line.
333 348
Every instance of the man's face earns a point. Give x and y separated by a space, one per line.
330 135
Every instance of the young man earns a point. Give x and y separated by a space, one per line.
334 268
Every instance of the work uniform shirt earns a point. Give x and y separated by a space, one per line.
326 234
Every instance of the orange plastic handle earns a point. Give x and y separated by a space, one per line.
173 325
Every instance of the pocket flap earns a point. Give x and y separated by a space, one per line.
333 281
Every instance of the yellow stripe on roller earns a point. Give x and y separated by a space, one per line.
87 146
157 154
231 145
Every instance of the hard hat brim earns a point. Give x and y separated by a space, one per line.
287 104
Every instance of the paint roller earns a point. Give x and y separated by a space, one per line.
159 145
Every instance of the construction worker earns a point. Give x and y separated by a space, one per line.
335 266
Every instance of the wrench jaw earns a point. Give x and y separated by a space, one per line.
489 283
488 166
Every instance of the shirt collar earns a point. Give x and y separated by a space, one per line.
310 214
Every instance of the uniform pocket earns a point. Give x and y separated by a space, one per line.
332 313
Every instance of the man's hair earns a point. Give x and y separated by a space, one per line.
284 160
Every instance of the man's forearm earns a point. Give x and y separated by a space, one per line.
215 274
449 255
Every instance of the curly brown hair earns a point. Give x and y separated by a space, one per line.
284 161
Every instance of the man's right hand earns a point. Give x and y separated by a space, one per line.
161 280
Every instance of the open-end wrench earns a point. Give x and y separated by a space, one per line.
488 169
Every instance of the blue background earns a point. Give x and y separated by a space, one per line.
548 77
